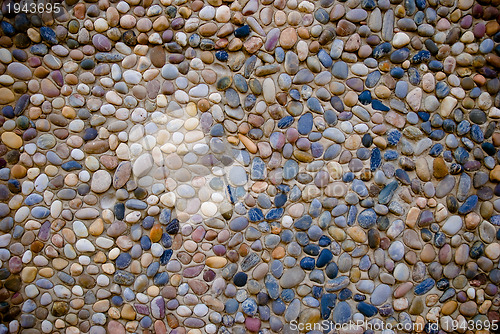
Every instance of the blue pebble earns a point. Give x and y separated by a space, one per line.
90 134
324 241
461 155
348 177
340 70
28 306
274 214
476 134
128 294
255 215
421 4
332 152
317 292
39 49
437 135
414 76
264 313
33 199
486 46
345 294
426 127
421 56
469 205
295 193
442 90
287 295
325 58
447 156
152 269
312 249
368 4
4 174
400 55
8 112
341 313
286 236
386 194
401 89
303 223
367 218
393 137
148 222
317 149
146 322
419 18
328 301
424 116
315 209
117 300
217 130
295 94
424 287
310 301
351 215
44 283
277 268
365 263
231 306
330 117
397 72
165 257
435 65
314 105
278 306
7 28
302 238
123 260
242 32
48 35
377 105
305 123
145 242
249 307
324 258
375 159
365 97
40 212
280 200
402 176
279 54
390 155
314 136
222 55
475 92
283 187
463 128
71 165
165 216
366 309
381 50
372 79
285 122
161 278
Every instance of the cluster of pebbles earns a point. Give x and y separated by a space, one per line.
238 166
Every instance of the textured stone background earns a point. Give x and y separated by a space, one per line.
233 167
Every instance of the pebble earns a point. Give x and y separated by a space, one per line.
209 166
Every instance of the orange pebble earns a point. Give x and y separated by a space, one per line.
155 233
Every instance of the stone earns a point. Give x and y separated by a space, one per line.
292 277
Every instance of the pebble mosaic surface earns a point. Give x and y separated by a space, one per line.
216 166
